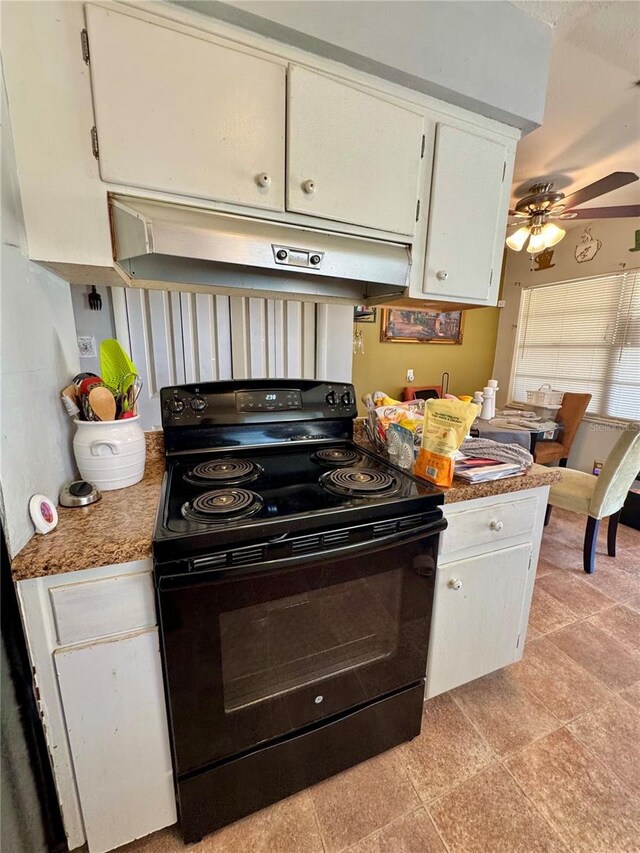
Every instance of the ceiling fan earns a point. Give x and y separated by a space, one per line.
543 204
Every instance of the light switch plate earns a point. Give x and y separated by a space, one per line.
87 346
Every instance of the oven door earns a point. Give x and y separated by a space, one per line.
256 653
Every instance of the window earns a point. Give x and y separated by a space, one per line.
583 336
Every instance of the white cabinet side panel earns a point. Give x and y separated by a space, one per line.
41 639
115 711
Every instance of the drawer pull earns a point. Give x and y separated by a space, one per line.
455 583
263 180
496 525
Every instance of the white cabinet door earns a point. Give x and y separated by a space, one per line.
114 708
478 612
468 208
181 114
352 156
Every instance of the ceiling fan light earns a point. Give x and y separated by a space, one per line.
537 243
517 240
552 234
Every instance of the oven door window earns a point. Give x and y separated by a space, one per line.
255 656
274 647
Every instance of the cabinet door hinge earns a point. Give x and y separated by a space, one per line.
424 142
94 142
418 210
491 277
84 38
518 643
504 170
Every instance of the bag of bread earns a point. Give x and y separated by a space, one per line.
446 425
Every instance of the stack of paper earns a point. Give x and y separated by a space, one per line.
475 470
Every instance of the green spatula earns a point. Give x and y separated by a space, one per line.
116 368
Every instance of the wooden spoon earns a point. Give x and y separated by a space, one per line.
103 403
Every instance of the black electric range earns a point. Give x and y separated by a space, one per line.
294 574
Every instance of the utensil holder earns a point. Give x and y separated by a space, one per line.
110 454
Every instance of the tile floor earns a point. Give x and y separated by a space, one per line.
541 756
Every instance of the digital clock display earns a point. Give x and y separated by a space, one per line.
274 400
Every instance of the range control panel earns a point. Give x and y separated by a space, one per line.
269 400
256 401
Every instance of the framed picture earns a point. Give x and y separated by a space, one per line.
364 314
419 326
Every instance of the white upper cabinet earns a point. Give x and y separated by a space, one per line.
467 215
352 156
183 114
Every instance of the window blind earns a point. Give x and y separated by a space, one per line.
583 336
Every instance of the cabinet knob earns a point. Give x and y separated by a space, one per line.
496 525
309 187
455 583
442 275
263 180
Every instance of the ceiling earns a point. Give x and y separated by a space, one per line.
591 125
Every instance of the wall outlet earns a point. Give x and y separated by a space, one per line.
410 376
87 346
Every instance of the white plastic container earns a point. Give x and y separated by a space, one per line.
110 454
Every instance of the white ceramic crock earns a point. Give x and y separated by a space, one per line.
110 454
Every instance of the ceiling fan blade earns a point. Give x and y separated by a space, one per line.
605 185
607 212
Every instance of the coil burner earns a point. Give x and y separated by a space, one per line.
359 482
222 505
338 456
230 471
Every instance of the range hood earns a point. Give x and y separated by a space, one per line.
161 244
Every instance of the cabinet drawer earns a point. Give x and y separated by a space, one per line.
101 608
487 525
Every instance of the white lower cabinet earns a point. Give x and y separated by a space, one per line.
94 649
112 696
484 583
477 622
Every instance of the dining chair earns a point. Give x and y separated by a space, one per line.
602 496
570 415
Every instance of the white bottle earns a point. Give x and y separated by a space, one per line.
493 383
487 405
478 398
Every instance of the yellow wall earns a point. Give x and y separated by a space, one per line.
383 366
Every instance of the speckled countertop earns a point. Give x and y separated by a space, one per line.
119 528
116 529
536 476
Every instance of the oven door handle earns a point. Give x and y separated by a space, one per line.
204 575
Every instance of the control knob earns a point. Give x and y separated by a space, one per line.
198 404
347 399
331 398
175 406
281 254
315 260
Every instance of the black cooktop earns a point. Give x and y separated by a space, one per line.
212 498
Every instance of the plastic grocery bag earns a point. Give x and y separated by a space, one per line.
446 425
